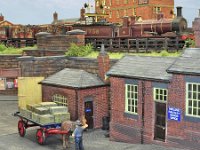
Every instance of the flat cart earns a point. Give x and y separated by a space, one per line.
43 132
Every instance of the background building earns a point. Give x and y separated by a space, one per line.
146 9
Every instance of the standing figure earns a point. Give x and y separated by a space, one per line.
78 135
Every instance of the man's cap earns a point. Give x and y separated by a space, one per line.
78 122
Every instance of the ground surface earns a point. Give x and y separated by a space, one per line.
93 140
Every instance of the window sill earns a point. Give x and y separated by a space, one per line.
129 115
191 119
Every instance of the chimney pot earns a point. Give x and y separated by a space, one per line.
179 11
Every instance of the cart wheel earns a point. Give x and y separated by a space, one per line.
21 128
40 135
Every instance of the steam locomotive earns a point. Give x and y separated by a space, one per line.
136 30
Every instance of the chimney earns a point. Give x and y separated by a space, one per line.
103 63
160 16
179 11
1 17
82 17
132 20
55 17
196 29
125 22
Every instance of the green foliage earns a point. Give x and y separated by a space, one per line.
79 51
189 43
2 47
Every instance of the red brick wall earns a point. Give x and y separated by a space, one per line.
183 134
166 7
125 128
99 95
186 133
49 91
100 103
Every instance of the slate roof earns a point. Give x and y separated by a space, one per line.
74 78
140 67
188 63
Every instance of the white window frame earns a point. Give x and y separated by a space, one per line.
131 95
60 100
161 95
190 99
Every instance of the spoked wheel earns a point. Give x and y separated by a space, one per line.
40 135
21 128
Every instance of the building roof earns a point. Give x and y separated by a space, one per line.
74 78
188 63
66 21
151 68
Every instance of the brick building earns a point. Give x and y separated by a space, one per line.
82 92
159 100
146 9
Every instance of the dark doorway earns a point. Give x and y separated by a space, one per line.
89 114
160 121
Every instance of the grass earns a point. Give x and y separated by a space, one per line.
13 50
163 53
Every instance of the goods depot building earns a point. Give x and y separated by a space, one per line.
159 100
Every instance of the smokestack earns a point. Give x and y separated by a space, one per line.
82 17
125 22
55 17
179 11
1 17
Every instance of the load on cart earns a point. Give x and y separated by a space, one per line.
49 117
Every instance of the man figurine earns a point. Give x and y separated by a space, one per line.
78 135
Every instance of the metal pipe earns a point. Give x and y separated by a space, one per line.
143 104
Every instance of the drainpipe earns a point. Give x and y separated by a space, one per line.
143 102
76 105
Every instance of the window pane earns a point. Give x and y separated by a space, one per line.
194 111
199 112
198 96
136 89
194 103
199 103
194 87
190 87
189 110
190 103
194 95
189 95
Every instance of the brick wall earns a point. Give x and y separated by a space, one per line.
126 127
75 99
10 70
127 9
186 132
70 94
45 66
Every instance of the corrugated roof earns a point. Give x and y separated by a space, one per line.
188 63
151 68
75 78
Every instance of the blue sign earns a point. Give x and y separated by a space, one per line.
174 114
88 110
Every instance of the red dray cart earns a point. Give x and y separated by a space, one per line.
43 132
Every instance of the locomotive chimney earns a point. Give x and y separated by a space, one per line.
179 11
103 63
82 13
125 22
132 20
1 17
55 17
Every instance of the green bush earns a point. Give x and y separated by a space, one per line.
164 53
79 51
2 47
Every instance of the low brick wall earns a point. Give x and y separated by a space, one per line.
45 66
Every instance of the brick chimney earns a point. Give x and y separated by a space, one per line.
1 17
103 63
196 29
82 14
55 17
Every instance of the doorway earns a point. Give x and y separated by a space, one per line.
160 121
89 114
